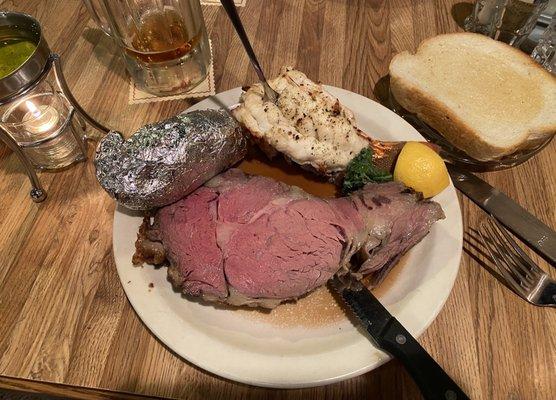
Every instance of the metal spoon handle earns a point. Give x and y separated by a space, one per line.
231 10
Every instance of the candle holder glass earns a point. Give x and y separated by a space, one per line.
42 123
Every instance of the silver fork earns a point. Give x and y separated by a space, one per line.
230 8
520 272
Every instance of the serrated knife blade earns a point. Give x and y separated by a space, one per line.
389 335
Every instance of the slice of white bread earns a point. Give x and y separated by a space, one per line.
486 97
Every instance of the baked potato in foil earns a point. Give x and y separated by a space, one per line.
162 162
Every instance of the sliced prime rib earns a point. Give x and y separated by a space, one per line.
250 240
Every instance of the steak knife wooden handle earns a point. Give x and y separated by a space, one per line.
433 381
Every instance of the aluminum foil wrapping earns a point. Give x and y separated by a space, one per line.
163 162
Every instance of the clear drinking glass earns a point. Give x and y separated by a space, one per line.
545 51
164 42
509 21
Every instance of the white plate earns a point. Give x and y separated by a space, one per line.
245 349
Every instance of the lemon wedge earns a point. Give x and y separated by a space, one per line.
422 169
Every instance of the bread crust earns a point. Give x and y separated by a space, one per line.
445 120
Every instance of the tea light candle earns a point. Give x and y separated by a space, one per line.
40 119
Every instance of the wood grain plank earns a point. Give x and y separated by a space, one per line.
331 58
66 326
96 329
368 55
423 11
67 391
310 45
402 24
286 35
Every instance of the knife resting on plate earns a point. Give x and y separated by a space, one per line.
390 336
516 219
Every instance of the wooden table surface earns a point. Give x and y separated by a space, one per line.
66 326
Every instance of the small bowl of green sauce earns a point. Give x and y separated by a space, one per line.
24 53
13 53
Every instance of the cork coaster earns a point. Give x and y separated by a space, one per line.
204 89
238 3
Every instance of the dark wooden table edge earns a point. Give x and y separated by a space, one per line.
71 391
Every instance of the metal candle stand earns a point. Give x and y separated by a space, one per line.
15 86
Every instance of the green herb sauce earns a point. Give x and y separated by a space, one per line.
13 53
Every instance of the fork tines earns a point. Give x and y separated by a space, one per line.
520 272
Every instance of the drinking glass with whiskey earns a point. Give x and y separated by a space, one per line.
164 42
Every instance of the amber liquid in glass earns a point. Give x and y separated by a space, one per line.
161 37
165 57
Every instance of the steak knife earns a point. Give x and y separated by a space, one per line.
516 219
390 336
